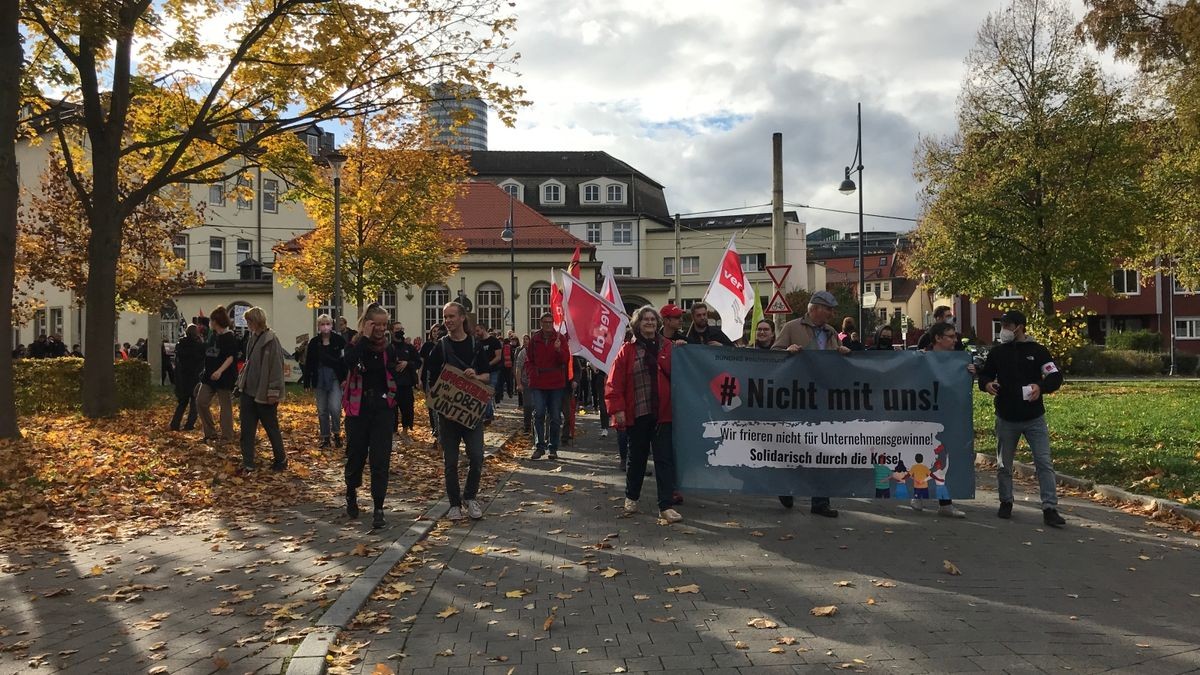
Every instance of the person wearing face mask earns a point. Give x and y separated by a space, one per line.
941 314
324 372
1018 373
883 340
406 379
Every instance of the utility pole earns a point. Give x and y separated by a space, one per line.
678 288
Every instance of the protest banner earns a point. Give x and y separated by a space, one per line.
459 398
869 424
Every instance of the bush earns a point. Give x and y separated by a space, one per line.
1136 340
1185 364
53 385
1092 360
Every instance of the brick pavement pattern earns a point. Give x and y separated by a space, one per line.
1111 592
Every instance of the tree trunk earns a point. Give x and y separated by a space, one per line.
10 78
99 386
1047 296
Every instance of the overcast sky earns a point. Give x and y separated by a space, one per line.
690 91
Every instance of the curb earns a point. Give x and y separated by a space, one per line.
1104 491
310 657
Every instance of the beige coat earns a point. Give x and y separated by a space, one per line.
803 332
262 377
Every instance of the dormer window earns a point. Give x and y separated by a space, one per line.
591 194
513 187
616 194
314 144
552 192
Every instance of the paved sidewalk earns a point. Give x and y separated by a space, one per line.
229 595
1110 592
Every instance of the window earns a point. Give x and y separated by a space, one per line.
489 305
39 322
433 299
565 226
622 271
1078 289
623 233
1126 282
539 304
270 195
689 264
753 262
887 287
514 188
179 246
883 314
593 233
56 321
668 267
170 325
883 261
245 250
995 328
245 193
1180 289
856 263
216 254
387 300
552 193
216 194
1009 293
616 194
314 144
591 194
687 303
1187 328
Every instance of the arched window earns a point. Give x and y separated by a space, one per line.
489 305
539 304
433 298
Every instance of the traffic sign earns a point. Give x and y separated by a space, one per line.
778 304
869 299
778 273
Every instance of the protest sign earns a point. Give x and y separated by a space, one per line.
459 398
869 424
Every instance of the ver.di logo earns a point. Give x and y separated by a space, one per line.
725 387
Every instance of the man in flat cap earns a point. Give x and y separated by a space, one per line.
812 331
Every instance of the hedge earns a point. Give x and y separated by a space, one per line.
1099 360
53 385
1136 340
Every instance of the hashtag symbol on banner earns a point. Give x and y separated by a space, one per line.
728 389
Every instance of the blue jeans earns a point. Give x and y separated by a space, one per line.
1037 434
546 403
329 409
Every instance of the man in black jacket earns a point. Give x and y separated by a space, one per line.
1018 372
406 379
704 333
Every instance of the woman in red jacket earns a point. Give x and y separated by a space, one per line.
638 394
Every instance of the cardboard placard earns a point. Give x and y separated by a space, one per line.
459 398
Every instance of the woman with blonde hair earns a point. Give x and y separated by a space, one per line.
218 378
369 404
262 387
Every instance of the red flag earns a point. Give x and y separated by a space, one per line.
573 268
595 327
556 296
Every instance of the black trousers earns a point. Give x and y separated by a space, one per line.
251 414
454 434
369 436
646 436
404 408
184 401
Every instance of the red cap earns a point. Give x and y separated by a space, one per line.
670 312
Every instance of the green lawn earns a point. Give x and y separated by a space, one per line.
1141 436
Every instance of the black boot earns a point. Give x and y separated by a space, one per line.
351 503
337 440
324 442
377 522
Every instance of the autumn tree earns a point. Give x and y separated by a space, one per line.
1038 191
11 57
53 233
1163 39
397 217
184 88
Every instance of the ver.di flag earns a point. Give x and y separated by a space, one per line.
729 294
595 327
609 290
556 295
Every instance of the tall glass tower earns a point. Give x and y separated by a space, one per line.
448 102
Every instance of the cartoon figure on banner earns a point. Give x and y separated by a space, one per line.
941 464
900 475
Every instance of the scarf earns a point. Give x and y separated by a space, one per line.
650 366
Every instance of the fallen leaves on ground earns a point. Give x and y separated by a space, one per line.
883 583
610 573
690 588
448 612
761 623
951 568
825 610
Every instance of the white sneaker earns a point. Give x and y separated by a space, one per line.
630 505
670 515
917 504
474 510
948 511
455 513
604 433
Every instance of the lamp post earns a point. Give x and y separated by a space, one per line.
336 160
508 235
848 187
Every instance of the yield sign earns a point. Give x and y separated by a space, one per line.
778 305
778 273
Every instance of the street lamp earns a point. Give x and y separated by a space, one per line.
848 187
509 235
336 160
